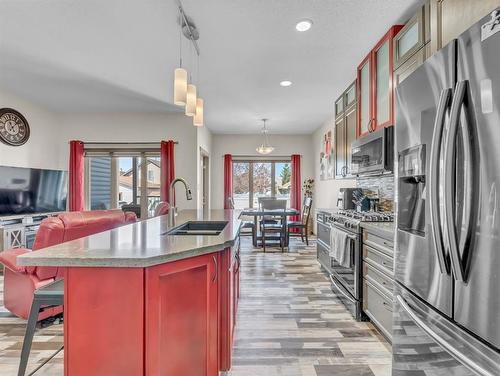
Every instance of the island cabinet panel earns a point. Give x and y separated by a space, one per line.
104 321
228 293
181 317
225 296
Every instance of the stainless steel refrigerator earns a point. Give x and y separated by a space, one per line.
447 257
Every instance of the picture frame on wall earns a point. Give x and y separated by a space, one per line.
326 157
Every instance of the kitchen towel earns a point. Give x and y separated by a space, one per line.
339 247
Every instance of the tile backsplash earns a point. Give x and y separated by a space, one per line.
381 187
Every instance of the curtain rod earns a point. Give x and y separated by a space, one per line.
261 156
124 143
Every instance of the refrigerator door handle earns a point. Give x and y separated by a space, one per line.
447 346
436 149
458 264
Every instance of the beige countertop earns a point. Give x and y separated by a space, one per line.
140 244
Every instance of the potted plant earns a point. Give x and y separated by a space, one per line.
307 189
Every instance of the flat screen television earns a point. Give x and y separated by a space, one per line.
32 191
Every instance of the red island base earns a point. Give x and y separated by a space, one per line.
173 319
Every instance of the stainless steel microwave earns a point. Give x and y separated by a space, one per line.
373 154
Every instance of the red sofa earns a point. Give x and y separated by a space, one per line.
20 282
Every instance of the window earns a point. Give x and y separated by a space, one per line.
253 179
114 179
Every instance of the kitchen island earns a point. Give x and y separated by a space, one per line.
142 301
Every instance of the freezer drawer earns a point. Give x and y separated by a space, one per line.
378 307
427 343
378 259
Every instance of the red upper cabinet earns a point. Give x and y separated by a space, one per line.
375 86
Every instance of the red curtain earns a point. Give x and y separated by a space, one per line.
76 202
167 170
296 186
228 179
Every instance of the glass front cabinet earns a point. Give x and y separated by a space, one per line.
345 131
375 86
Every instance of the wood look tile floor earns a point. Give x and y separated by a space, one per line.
289 323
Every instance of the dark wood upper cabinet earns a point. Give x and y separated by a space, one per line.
412 37
345 131
450 18
375 86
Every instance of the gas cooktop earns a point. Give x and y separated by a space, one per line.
367 216
351 219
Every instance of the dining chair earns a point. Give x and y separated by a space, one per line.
244 224
273 224
268 219
303 225
162 208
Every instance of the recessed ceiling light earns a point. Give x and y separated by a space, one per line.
285 83
303 25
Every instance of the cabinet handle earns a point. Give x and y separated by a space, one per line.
387 306
216 269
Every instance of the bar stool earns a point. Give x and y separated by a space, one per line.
48 296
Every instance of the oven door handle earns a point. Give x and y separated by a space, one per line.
342 290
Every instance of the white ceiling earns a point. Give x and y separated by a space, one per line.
119 55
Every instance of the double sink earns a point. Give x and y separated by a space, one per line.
199 228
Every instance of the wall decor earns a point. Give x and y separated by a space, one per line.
14 128
326 158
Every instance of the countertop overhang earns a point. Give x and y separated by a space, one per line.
140 244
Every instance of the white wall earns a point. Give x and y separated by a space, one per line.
140 127
43 149
326 190
204 141
244 145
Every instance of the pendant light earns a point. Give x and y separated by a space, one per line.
180 79
191 90
265 148
191 100
180 87
198 117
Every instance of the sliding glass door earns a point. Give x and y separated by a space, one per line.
253 179
262 181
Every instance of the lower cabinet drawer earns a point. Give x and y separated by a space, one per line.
381 244
373 274
379 259
378 308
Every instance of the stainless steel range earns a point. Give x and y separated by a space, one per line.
346 281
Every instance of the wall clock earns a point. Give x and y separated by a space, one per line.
14 128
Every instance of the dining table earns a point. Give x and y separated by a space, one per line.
256 213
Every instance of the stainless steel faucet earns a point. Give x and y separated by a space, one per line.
173 210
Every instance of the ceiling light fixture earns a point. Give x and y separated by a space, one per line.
265 148
180 79
191 100
286 83
303 25
185 92
198 116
